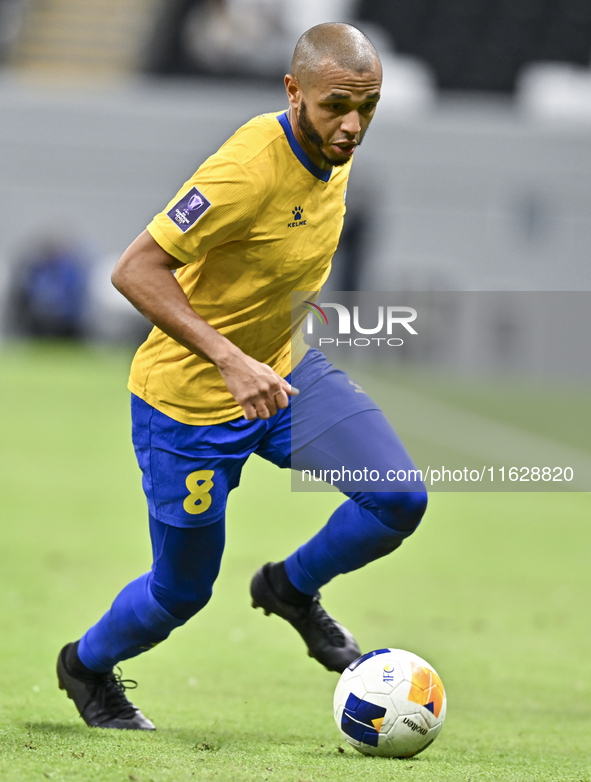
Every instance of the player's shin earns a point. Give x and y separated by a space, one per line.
358 532
135 623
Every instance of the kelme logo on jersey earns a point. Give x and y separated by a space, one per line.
297 213
185 213
362 720
426 689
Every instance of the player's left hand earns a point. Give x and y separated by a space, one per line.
257 388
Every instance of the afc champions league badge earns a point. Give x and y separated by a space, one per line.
189 209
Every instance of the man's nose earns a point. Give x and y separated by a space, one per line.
351 123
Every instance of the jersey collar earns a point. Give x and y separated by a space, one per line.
299 152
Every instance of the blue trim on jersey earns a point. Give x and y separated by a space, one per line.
298 151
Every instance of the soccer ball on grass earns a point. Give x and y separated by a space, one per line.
390 703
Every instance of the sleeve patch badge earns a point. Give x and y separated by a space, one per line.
185 213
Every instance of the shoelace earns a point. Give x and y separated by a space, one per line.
326 623
112 695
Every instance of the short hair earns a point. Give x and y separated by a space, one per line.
342 43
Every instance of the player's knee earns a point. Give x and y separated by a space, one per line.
401 511
182 604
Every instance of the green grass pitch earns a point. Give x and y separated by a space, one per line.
493 590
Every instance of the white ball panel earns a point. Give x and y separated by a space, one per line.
409 734
381 674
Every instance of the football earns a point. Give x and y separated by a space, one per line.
390 703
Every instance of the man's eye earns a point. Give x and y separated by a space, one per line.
336 106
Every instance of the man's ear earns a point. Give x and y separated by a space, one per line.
294 91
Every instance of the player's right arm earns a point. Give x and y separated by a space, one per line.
143 275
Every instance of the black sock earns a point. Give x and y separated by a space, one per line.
75 665
283 586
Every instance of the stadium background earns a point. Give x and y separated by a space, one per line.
474 177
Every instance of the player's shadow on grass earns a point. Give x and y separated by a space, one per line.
79 731
192 737
53 727
349 755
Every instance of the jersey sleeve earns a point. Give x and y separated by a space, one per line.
217 205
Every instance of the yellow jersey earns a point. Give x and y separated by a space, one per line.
258 220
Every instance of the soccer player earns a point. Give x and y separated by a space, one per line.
212 384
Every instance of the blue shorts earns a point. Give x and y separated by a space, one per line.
188 471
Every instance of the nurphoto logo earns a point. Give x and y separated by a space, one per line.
389 318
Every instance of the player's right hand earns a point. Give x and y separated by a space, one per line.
257 388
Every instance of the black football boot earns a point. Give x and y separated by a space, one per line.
100 697
327 641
